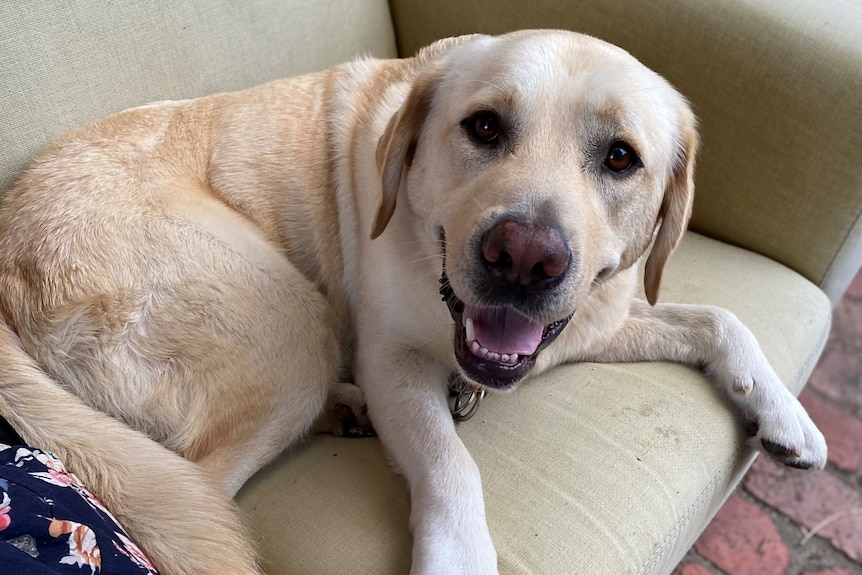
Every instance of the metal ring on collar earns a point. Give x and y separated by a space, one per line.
468 398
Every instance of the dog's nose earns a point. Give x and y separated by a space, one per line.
525 254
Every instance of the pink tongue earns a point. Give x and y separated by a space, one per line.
504 330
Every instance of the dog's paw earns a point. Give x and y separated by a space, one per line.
787 435
778 424
346 413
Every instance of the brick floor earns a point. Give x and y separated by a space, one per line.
836 368
818 501
695 569
841 428
743 540
855 289
845 323
782 521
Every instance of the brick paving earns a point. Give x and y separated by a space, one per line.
782 521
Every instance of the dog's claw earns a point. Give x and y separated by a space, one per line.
798 463
775 440
778 449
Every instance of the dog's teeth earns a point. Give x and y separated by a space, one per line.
469 329
485 353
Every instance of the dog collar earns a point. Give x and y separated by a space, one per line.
465 398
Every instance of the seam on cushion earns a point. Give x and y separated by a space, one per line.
659 549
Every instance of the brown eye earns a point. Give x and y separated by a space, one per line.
620 157
484 127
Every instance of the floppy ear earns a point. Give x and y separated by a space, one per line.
675 208
398 142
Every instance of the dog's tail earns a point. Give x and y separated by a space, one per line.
181 518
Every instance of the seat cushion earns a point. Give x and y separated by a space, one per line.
590 468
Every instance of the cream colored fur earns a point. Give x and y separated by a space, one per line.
205 272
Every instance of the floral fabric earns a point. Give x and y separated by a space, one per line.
50 524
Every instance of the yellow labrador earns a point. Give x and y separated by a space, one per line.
207 272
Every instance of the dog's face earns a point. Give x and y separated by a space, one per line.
546 162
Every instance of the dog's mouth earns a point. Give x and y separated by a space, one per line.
496 346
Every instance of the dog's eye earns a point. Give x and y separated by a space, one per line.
620 158
484 127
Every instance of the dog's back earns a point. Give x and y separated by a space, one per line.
143 279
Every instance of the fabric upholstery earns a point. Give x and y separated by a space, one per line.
590 468
64 64
599 469
776 85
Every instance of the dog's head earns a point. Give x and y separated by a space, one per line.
546 162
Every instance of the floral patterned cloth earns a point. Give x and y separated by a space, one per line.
50 524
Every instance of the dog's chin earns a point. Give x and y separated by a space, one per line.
519 341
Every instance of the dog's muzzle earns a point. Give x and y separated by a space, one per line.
496 347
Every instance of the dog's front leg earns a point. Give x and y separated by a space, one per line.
715 340
406 395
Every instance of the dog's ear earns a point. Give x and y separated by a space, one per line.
676 206
398 142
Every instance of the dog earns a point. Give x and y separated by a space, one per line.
186 286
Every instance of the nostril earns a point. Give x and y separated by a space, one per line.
498 259
547 270
555 264
499 265
538 271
